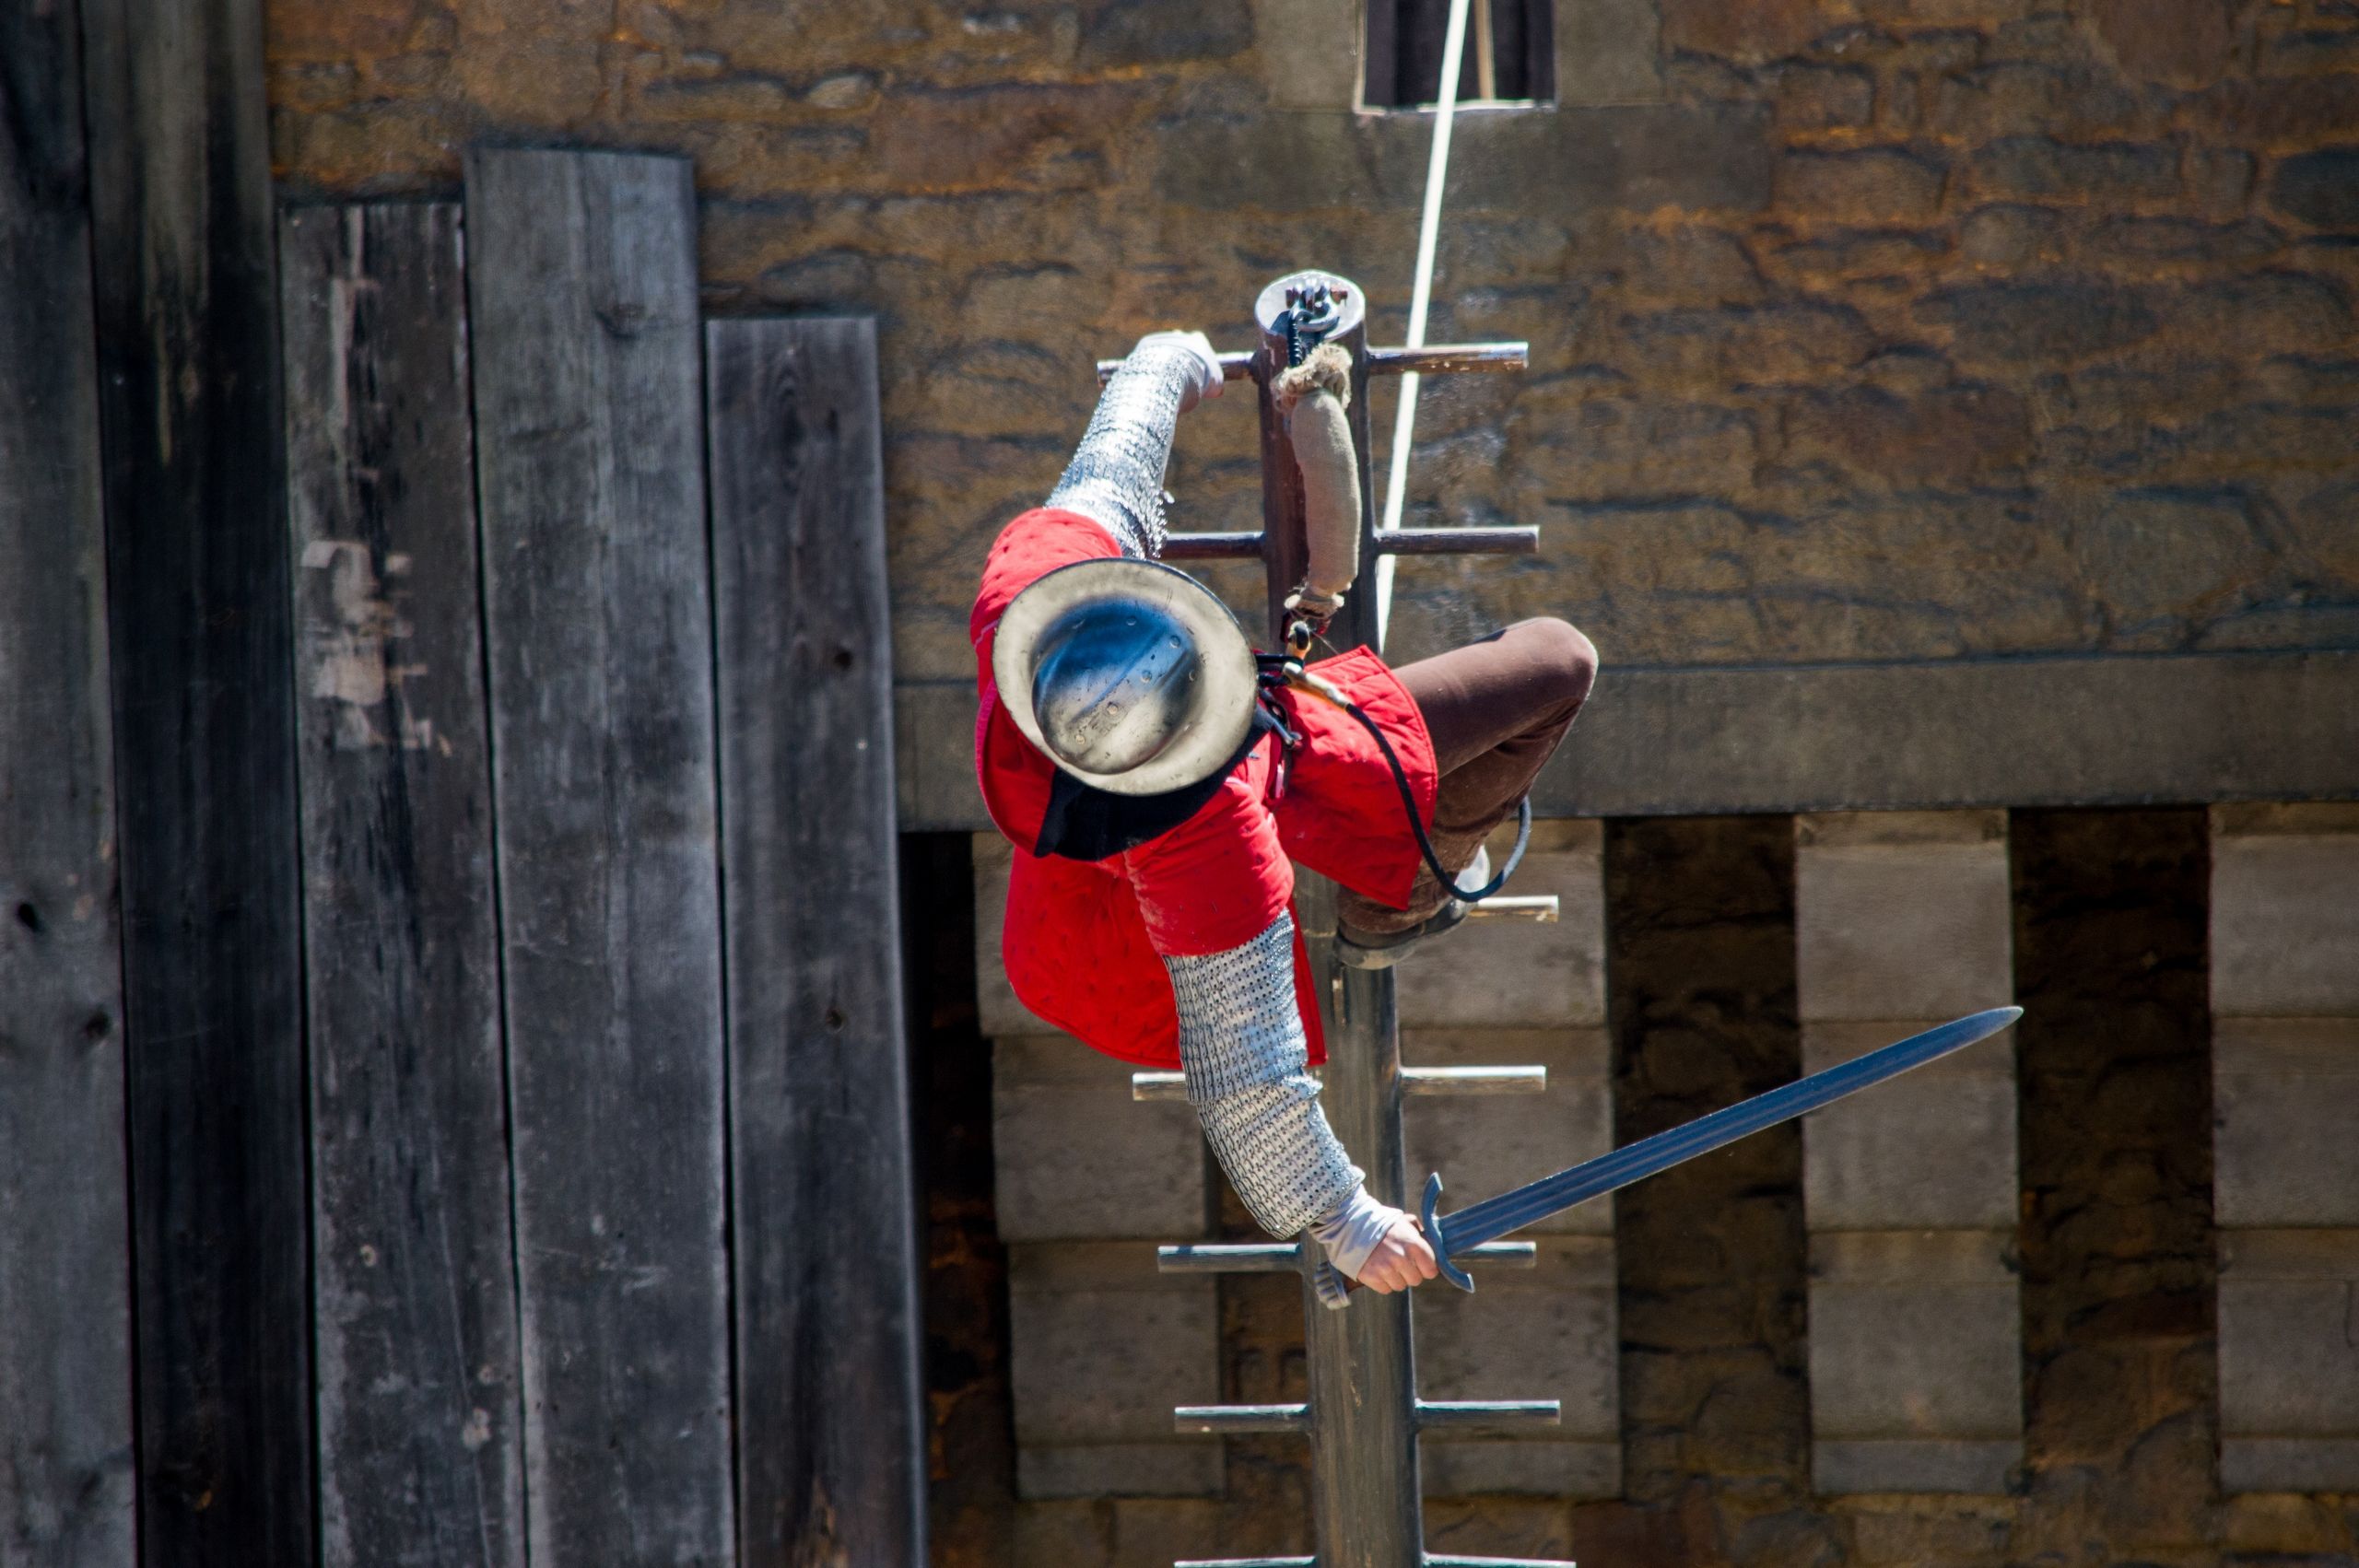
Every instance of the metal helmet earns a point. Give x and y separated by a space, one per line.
1129 673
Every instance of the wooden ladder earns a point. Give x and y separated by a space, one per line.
1363 1417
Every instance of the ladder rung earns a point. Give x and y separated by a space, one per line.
1241 546
1251 1563
1495 1561
1216 1420
1432 359
1538 908
1473 1080
1238 546
1285 1257
1230 1258
1448 358
1487 1415
1159 1085
1430 1562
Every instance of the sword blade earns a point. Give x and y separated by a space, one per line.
1510 1211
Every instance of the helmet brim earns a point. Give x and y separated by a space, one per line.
1222 712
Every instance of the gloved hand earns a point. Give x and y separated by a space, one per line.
1205 379
1377 1245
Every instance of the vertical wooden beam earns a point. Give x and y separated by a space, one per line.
830 1434
581 278
187 330
419 1447
66 1457
1362 1368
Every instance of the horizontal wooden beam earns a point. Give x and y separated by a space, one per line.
1241 546
1468 1417
1227 1421
1167 1087
1283 1257
2092 731
1539 910
1449 358
1434 359
1473 1080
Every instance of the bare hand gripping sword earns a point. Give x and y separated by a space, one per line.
1510 1211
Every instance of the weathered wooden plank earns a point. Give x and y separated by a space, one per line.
419 1432
187 312
65 1461
830 1436
588 382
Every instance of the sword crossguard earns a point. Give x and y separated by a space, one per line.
1426 1216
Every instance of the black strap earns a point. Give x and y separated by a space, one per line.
1279 670
1409 804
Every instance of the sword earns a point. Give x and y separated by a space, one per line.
1510 1211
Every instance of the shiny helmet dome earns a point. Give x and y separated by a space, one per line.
1129 673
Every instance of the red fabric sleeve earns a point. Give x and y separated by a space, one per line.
1219 879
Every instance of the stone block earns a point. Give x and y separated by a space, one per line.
2044 323
1483 1144
1901 914
1934 1149
1101 1347
1305 78
2284 913
1129 36
1946 436
1608 51
2285 1097
2038 167
1860 184
1624 157
2289 1381
1077 1159
2320 188
1509 975
2279 313
1748 33
1935 1465
1546 1333
1534 1469
1915 1359
1152 1532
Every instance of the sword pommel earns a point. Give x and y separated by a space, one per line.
1434 1238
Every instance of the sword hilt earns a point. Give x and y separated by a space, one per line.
1334 1289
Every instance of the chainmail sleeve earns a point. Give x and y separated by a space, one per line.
1116 475
1248 1069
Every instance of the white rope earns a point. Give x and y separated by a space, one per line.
1404 423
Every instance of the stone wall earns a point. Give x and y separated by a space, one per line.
1862 329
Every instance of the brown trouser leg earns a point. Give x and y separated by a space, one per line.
1496 709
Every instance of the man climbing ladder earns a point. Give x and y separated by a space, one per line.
1157 779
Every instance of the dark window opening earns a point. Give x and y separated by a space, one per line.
1510 55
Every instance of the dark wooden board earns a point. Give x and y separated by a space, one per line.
187 311
65 1464
582 280
419 1422
831 1430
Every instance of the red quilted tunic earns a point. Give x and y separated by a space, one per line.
1082 939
